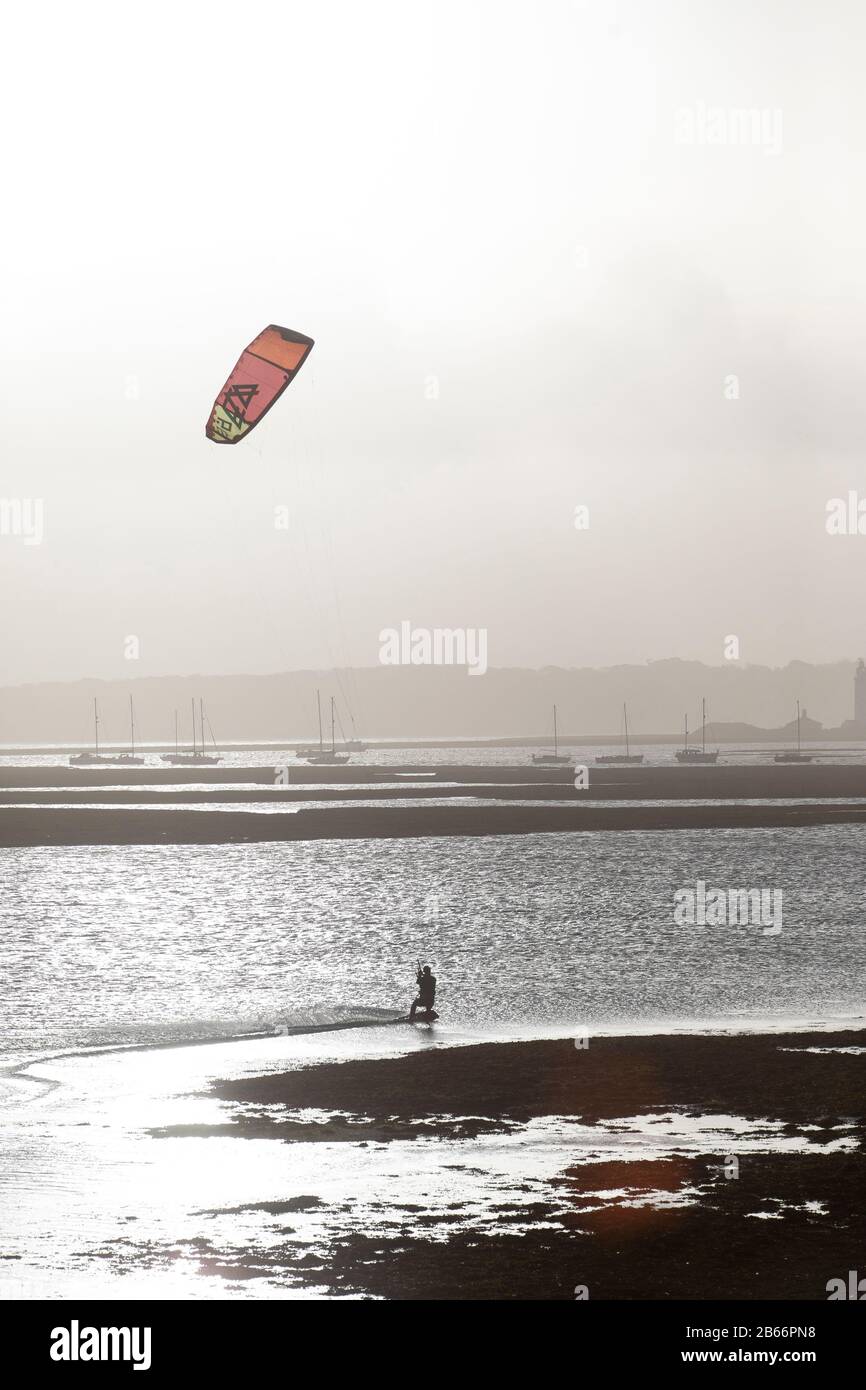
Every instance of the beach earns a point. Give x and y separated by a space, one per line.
154 826
766 1198
419 1163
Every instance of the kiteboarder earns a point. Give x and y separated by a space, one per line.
426 990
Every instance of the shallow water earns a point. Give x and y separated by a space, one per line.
135 944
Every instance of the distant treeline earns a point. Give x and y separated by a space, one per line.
437 702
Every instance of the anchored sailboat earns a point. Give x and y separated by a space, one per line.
97 759
700 755
554 759
622 759
318 751
197 757
321 755
353 744
129 759
794 755
309 750
89 759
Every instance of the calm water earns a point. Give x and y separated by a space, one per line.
655 754
112 945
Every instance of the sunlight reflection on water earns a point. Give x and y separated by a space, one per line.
131 944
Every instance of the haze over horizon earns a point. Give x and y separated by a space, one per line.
382 702
527 295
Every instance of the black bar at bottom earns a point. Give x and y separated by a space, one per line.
165 1339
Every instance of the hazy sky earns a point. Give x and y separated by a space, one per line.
533 246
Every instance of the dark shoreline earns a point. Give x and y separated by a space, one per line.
652 782
677 1227
124 826
755 1075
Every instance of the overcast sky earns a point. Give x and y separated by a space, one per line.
534 250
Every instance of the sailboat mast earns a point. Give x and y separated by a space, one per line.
333 745
131 727
96 726
625 722
201 723
703 726
192 704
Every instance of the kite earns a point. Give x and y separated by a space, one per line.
258 379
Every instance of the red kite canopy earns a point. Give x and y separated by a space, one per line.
258 378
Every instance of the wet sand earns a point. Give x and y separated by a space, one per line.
722 781
76 825
764 1076
683 1226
